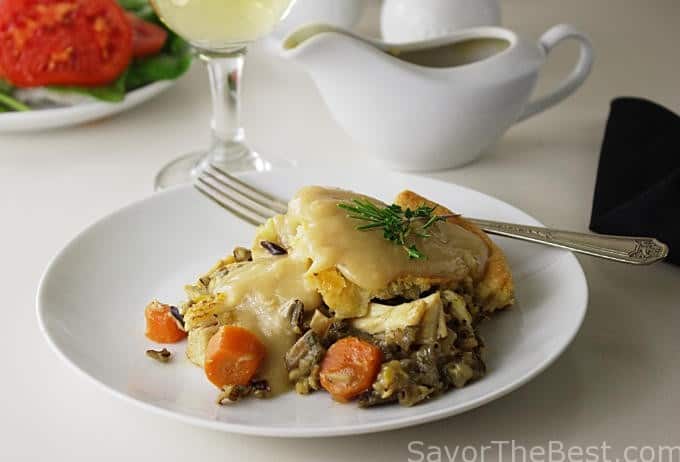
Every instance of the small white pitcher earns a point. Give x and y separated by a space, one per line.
437 103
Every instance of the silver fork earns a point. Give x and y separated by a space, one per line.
256 206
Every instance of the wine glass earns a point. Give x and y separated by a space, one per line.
220 31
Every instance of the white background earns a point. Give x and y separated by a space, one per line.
618 382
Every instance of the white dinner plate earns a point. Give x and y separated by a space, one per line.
92 296
44 119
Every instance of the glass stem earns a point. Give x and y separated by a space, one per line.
225 71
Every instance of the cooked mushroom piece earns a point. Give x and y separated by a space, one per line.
372 399
464 368
302 361
426 364
414 394
402 338
162 356
306 352
294 311
337 329
466 340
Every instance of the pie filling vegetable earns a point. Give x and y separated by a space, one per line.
379 314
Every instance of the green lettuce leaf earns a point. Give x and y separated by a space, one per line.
141 8
173 61
6 87
7 102
112 93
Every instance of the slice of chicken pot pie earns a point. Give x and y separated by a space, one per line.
344 293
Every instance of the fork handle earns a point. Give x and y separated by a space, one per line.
633 250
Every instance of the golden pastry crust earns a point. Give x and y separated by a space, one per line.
496 289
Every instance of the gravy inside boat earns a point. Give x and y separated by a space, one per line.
453 54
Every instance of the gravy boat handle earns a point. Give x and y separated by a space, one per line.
578 75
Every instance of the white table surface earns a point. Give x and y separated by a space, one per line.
617 383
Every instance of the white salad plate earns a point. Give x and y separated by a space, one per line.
92 296
44 119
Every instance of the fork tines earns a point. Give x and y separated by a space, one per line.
243 200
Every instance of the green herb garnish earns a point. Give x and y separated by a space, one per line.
397 223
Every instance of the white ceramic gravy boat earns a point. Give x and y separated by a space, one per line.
433 104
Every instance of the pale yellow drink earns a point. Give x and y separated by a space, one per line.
221 23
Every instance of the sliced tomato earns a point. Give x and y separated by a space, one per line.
147 37
63 42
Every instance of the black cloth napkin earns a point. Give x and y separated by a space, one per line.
638 179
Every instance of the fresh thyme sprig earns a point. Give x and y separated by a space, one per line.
397 223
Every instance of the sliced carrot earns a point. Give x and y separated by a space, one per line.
349 368
233 356
161 325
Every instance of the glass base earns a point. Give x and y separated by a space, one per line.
233 158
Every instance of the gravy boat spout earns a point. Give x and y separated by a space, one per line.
431 104
311 31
